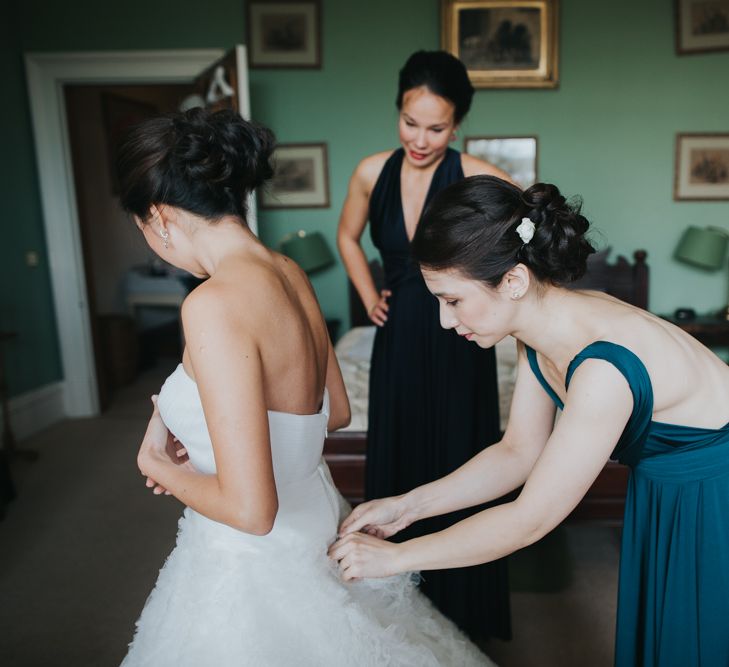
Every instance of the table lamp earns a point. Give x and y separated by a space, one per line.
309 251
706 248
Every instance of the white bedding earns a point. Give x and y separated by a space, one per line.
354 350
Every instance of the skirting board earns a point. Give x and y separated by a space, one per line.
36 410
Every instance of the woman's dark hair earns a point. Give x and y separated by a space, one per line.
470 226
204 162
442 74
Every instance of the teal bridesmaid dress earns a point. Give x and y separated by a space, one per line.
673 592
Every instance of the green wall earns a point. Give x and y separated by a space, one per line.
607 133
25 297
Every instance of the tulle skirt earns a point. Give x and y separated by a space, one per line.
225 598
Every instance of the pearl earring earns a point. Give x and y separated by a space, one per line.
165 238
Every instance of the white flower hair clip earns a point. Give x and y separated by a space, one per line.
525 230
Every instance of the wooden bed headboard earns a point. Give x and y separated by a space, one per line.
623 280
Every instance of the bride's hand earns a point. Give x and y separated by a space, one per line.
382 518
361 556
158 445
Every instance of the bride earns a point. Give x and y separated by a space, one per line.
249 581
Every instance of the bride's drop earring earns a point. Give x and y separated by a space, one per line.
165 238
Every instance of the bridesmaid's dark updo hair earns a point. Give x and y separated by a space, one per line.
441 73
470 227
204 162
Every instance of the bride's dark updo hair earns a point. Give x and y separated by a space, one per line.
470 227
204 162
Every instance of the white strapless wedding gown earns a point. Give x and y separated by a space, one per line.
227 598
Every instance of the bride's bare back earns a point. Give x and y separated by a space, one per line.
271 304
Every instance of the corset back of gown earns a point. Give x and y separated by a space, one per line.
305 493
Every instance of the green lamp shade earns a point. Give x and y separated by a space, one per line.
309 251
705 248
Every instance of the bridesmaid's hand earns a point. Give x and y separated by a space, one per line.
362 556
382 518
378 310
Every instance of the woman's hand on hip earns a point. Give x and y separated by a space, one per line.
377 312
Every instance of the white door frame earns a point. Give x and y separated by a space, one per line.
47 73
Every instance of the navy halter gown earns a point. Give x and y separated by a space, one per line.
433 403
673 592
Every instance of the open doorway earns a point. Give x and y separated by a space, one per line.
133 297
49 74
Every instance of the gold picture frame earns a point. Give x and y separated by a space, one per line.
701 171
284 34
518 156
504 43
301 178
702 26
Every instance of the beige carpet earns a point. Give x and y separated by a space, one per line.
81 546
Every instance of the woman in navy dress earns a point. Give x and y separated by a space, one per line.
630 386
433 400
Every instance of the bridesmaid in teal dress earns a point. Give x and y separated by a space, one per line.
629 385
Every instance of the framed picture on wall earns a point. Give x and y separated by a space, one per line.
284 34
504 43
517 156
300 178
702 167
701 26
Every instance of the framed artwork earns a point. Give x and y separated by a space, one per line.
121 113
702 26
702 167
504 43
300 178
517 156
284 34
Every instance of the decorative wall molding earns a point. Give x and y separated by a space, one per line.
36 410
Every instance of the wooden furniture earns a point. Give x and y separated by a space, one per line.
345 452
623 280
712 331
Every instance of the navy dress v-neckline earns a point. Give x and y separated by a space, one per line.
433 402
673 592
434 180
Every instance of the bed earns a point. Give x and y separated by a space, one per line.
345 450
